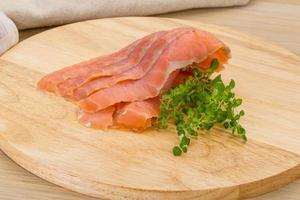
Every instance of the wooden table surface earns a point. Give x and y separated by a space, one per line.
277 21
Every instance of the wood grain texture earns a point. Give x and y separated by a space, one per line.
275 20
118 165
17 183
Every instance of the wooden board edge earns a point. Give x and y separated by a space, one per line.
269 184
113 192
244 191
116 192
180 21
245 36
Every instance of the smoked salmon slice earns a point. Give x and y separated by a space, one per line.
136 72
66 88
122 90
98 120
137 115
194 46
51 81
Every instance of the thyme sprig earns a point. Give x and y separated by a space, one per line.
200 103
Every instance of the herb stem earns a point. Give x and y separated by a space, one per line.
200 103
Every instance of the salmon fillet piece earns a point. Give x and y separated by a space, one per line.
52 80
134 116
122 90
194 46
137 71
98 120
66 88
137 115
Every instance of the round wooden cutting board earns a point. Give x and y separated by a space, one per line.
40 131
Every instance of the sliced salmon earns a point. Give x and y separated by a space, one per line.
66 87
122 90
137 71
175 79
98 120
51 81
137 115
195 46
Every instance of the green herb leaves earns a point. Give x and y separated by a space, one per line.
198 104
